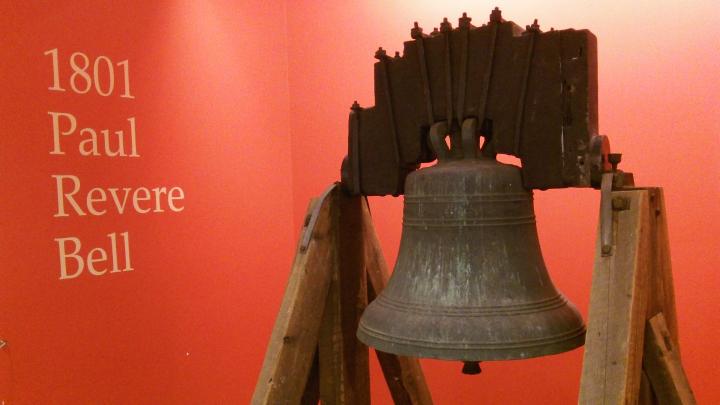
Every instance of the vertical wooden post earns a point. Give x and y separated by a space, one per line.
313 354
646 395
629 288
311 395
403 375
618 307
344 372
662 290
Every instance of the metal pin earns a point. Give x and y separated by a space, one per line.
416 31
496 15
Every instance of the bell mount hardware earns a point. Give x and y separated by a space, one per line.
533 94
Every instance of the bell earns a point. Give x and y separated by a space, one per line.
470 283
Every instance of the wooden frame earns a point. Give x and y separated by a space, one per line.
313 353
627 362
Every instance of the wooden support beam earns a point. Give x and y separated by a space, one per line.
311 395
314 354
344 370
618 307
646 395
664 369
662 290
291 349
403 375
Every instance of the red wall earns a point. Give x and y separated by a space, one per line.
243 105
211 105
659 104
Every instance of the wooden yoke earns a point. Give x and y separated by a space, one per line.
313 353
626 362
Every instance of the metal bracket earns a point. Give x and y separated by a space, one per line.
606 220
608 204
311 218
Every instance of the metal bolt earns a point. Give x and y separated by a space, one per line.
534 27
614 159
471 367
2 343
496 15
380 54
416 31
464 21
620 203
445 25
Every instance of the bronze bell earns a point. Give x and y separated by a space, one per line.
470 283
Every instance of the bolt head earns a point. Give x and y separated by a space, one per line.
416 31
445 26
380 54
464 21
620 203
496 15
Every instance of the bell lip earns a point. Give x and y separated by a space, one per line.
511 351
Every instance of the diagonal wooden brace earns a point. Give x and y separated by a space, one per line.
313 354
292 346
